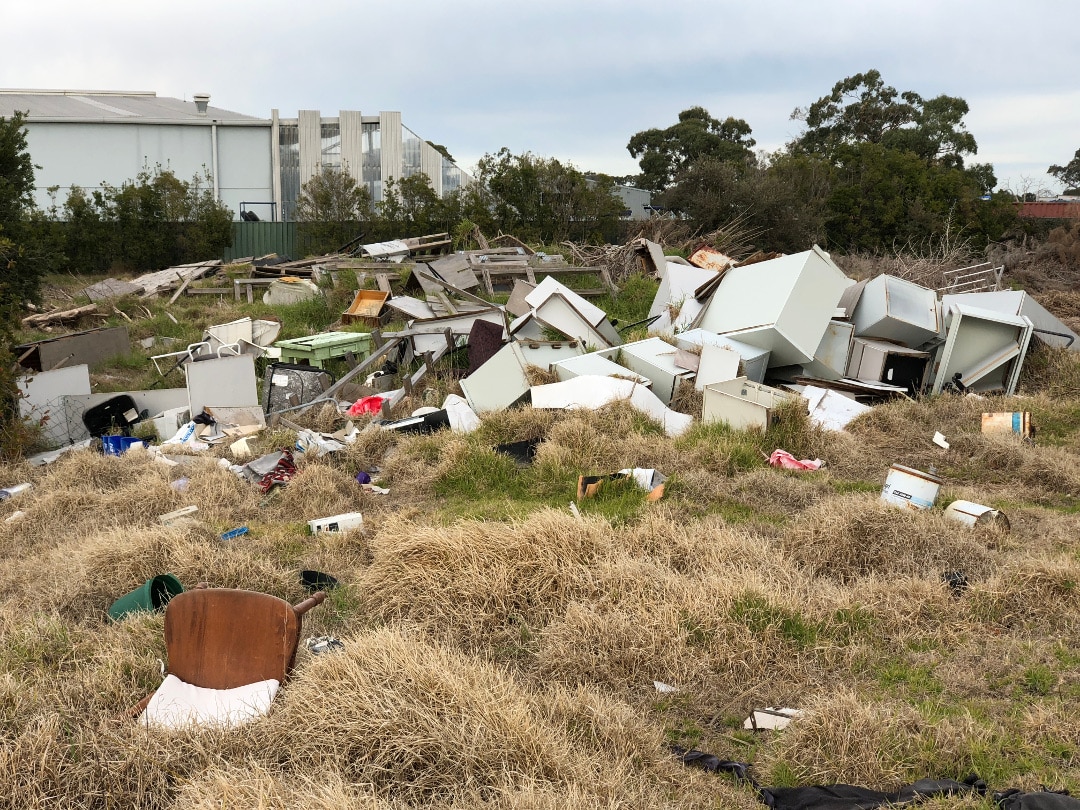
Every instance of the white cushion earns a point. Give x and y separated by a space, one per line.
177 704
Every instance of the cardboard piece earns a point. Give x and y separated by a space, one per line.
770 718
831 409
234 423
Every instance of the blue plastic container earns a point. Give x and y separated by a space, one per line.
116 445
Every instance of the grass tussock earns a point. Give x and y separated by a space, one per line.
488 584
1031 592
845 738
420 721
856 535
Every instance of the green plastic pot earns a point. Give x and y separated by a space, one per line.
152 595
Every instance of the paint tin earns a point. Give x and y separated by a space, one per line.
1018 422
910 489
975 514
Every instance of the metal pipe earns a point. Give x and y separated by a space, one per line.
214 158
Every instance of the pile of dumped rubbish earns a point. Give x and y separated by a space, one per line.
748 336
751 339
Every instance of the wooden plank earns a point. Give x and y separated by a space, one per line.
468 296
59 316
444 299
184 282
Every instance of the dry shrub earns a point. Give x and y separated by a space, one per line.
1054 722
535 375
730 635
418 721
608 439
852 536
80 672
689 789
1031 592
593 720
82 579
1053 373
253 784
906 607
85 492
71 747
319 490
687 399
844 738
484 584
902 432
1064 304
708 545
776 492
223 498
1040 474
414 460
1036 531
517 425
370 448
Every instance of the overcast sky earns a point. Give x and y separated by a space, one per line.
573 79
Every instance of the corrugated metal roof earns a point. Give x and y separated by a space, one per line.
96 106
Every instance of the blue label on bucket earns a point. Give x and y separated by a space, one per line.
1016 422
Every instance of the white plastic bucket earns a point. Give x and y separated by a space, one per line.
910 489
975 514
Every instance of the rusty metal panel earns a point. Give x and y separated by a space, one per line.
1051 210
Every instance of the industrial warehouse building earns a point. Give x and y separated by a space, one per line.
257 165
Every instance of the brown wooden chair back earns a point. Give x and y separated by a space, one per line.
220 638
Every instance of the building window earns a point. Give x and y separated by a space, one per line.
289 148
371 175
330 148
451 177
410 144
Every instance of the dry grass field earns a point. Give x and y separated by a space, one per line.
500 651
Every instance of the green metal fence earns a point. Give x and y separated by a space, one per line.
261 238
